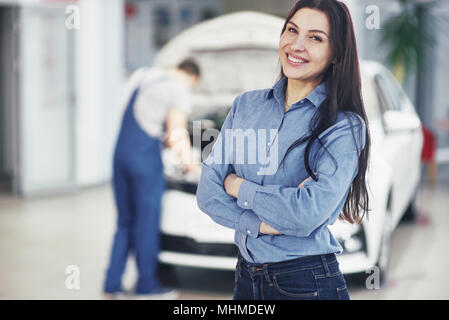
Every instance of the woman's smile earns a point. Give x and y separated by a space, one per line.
296 60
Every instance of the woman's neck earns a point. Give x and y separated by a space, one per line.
297 90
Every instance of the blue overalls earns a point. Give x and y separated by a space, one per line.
138 187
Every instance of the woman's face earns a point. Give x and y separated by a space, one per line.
304 47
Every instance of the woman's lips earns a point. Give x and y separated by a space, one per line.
296 61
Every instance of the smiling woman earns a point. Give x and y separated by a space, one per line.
334 61
281 218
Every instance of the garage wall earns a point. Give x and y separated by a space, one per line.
439 92
279 7
100 77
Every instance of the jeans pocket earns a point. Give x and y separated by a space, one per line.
342 293
296 285
331 285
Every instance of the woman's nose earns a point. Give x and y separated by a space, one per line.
298 44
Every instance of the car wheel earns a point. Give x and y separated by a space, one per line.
411 213
167 275
385 247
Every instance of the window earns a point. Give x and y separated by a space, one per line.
370 99
389 94
207 14
186 15
162 24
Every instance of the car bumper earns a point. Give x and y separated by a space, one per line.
197 261
190 238
207 255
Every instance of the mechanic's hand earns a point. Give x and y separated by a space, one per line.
192 168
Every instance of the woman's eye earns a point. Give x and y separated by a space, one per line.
316 38
291 29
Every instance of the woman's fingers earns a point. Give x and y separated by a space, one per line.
302 183
265 228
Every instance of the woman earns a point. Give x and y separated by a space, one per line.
286 250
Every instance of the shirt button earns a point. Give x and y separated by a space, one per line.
249 231
246 203
269 144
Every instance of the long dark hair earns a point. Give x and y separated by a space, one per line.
343 84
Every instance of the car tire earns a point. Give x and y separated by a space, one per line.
167 275
411 213
383 260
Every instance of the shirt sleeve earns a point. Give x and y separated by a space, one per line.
181 97
132 84
212 198
299 211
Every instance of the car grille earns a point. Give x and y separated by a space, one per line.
188 245
187 187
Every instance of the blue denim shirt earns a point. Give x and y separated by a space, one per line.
302 215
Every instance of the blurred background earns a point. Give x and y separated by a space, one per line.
63 68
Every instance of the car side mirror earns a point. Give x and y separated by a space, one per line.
399 121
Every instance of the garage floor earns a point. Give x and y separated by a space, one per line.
45 242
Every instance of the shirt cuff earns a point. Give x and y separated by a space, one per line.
249 224
247 191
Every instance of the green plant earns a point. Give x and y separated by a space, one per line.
407 36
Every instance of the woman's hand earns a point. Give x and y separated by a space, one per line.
232 184
302 183
265 228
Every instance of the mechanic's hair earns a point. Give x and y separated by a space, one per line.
189 66
343 84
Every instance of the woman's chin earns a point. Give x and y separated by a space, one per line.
295 76
301 75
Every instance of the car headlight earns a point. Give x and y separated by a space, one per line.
351 237
355 242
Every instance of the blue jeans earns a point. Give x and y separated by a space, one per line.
307 278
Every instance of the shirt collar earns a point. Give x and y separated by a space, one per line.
316 97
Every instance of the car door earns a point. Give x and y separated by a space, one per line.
402 141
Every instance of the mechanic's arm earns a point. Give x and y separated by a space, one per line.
212 198
178 139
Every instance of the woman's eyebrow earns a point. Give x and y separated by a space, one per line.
312 30
320 31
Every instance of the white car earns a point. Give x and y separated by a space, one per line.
238 52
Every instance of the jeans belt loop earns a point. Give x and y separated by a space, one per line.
326 267
265 272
